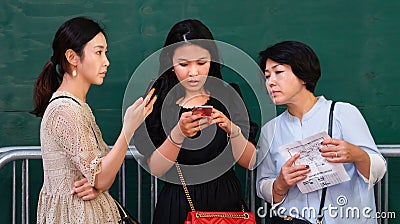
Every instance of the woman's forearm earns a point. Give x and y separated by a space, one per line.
162 159
243 151
111 164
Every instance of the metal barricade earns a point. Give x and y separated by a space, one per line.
27 153
388 151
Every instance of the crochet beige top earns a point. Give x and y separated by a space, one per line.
72 148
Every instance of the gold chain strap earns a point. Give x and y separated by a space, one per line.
178 168
233 216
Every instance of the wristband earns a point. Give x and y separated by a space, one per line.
237 134
174 142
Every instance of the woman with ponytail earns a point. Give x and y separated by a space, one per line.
78 166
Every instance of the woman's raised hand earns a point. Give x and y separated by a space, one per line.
136 113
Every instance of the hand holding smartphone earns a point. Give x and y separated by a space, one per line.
150 97
149 89
204 110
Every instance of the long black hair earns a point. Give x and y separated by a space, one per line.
189 31
73 34
184 32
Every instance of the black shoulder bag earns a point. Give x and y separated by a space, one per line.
321 205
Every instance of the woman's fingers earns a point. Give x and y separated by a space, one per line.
221 120
191 124
88 194
292 174
84 190
80 182
77 185
291 161
137 103
149 106
148 98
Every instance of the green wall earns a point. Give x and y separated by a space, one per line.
357 42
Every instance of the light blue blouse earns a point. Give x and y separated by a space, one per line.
349 202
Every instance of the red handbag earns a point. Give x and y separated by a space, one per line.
207 217
196 217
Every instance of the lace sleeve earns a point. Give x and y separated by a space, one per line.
71 131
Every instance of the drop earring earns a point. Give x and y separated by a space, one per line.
74 73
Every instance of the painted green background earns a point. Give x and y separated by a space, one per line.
357 42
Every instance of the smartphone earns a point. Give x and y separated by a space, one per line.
149 87
205 110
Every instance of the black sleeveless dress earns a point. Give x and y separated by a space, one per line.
206 162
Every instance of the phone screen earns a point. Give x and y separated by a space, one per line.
205 110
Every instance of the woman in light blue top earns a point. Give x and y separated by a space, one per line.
291 72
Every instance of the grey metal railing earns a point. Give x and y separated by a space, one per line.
388 151
27 153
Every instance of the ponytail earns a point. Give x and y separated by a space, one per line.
46 84
73 34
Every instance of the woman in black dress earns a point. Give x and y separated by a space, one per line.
205 146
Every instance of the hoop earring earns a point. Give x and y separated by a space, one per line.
74 73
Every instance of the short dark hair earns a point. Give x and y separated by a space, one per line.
301 58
